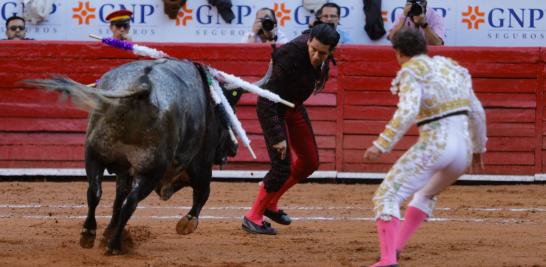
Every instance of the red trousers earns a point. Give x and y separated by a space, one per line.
302 157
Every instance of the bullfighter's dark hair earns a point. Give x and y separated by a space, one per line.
14 17
326 34
409 42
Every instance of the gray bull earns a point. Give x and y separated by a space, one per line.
154 125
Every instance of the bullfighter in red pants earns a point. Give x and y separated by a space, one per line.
299 69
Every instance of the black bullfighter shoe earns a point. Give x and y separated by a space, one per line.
253 228
279 217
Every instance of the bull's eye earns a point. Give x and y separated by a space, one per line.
234 93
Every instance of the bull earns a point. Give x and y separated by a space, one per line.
152 123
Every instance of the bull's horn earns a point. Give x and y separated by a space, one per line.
228 78
260 83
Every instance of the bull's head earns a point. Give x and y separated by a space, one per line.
227 145
233 96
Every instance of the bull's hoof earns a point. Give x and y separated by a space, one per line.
107 237
187 225
114 248
111 251
87 238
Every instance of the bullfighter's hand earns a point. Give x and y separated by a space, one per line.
281 148
372 153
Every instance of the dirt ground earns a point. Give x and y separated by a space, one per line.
498 225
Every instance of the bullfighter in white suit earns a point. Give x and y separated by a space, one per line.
436 93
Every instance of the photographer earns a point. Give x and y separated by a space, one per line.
418 15
265 29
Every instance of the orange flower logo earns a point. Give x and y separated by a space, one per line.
184 15
84 13
282 13
473 17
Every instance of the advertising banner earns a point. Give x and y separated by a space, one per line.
467 22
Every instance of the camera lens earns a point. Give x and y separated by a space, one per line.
416 10
268 24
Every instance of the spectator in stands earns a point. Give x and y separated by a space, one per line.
300 69
436 94
120 24
265 29
330 13
418 15
16 28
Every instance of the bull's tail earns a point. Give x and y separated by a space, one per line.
85 97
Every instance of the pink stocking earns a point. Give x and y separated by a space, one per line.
412 220
386 231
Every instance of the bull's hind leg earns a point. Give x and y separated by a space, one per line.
95 172
201 191
123 187
142 187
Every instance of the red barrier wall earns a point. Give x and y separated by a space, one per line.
36 130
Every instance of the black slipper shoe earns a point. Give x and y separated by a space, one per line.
253 228
279 217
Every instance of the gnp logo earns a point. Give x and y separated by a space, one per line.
282 13
16 8
84 13
507 18
208 15
473 17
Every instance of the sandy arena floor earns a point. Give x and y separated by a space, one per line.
473 226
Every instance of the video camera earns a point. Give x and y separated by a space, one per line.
418 7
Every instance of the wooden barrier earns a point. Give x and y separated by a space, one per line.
38 131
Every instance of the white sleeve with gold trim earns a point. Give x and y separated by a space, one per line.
410 92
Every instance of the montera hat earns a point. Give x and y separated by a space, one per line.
119 15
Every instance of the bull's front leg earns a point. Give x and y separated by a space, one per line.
201 191
95 172
142 187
